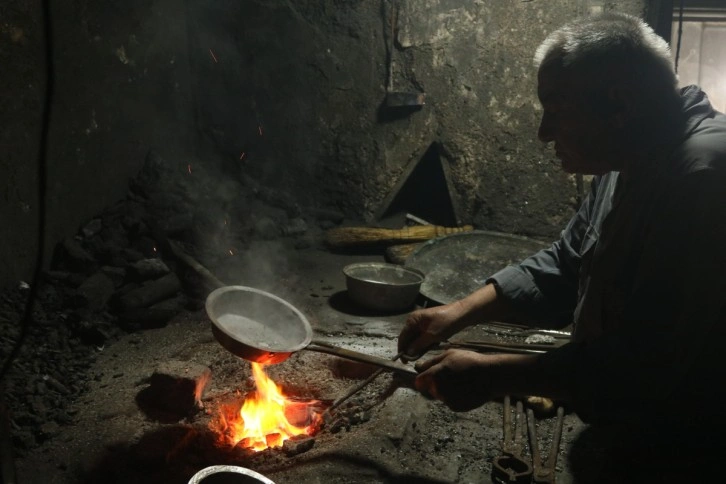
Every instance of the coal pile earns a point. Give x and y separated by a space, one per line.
133 267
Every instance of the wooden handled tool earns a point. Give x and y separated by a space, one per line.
398 253
350 236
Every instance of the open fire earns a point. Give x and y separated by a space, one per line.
267 418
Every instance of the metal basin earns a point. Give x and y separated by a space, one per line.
228 474
381 286
459 264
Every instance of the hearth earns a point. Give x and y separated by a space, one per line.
122 380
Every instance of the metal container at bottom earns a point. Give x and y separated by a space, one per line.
226 474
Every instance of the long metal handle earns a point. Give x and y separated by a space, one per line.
495 347
323 347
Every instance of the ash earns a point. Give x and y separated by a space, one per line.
119 302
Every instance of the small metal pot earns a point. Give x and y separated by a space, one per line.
381 286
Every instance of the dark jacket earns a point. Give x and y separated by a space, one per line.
640 271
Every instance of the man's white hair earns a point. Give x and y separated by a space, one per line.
604 35
615 49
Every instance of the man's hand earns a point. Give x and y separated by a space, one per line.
458 378
465 380
426 327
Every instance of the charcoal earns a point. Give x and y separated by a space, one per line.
115 236
145 245
297 446
145 318
71 256
153 171
95 291
56 385
92 228
62 277
95 334
178 386
116 274
151 292
131 255
177 225
146 269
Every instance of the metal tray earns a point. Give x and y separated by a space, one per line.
456 265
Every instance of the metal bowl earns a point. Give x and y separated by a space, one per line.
228 474
381 286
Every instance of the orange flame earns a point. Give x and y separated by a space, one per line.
264 419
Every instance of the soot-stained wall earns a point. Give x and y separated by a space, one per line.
287 93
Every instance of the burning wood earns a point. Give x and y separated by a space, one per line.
267 418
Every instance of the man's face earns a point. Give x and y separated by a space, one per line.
585 142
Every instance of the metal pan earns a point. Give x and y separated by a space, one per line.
458 264
261 327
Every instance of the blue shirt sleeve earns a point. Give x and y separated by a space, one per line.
544 287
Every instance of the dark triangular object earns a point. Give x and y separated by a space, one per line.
424 190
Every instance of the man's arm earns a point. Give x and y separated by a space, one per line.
543 289
667 353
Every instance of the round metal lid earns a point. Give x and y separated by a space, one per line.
458 264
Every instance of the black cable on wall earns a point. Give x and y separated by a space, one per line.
41 163
680 34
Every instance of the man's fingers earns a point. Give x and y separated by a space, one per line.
411 332
422 366
426 385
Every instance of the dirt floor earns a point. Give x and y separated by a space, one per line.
385 433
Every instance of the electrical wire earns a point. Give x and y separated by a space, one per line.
41 163
680 35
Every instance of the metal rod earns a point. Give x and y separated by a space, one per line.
557 434
507 421
416 219
533 443
358 387
492 347
518 427
393 365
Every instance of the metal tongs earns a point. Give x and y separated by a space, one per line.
547 472
511 466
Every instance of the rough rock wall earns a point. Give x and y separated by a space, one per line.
288 93
293 96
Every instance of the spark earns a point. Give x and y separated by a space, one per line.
231 252
214 57
259 129
154 248
242 155
189 168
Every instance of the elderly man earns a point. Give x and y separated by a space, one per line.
640 270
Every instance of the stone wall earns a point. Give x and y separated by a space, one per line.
289 94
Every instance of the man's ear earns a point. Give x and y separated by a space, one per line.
622 105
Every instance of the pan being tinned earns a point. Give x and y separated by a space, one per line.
261 327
